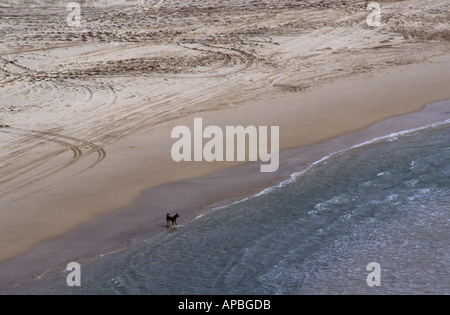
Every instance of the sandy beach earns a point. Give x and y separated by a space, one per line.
86 112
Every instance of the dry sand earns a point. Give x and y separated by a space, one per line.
86 113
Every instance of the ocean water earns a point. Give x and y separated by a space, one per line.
387 201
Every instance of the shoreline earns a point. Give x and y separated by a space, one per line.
197 195
413 122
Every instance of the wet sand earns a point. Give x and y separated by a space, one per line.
87 139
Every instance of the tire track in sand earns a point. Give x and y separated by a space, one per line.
77 146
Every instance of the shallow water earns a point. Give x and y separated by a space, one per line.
385 202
